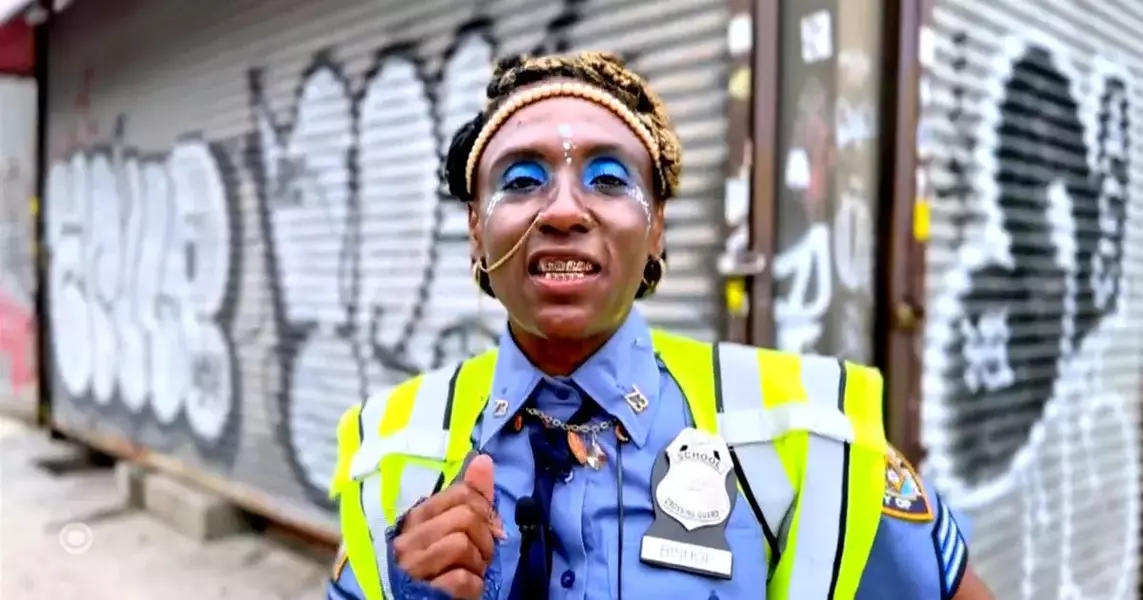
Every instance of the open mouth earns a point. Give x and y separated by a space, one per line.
562 269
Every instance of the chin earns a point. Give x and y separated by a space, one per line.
567 322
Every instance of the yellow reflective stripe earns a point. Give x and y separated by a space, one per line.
689 363
359 545
348 441
781 387
470 395
864 407
740 391
400 480
445 400
813 550
378 503
354 525
863 403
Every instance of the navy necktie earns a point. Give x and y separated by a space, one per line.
553 462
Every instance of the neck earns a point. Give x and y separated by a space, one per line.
558 357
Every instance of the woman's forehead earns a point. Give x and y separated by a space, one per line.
544 125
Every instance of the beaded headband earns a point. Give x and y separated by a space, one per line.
556 90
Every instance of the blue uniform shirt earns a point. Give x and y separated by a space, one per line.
906 559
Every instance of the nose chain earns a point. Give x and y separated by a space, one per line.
586 451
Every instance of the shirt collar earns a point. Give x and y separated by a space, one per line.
622 377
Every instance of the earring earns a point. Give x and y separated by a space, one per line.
477 270
480 277
653 273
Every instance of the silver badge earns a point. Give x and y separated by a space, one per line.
693 492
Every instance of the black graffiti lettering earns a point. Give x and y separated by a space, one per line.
143 260
1063 226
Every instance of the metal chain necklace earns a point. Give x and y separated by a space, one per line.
583 439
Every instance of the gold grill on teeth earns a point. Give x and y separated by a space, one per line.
556 90
564 266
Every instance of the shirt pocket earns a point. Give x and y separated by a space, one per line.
642 580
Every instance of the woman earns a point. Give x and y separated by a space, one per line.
591 457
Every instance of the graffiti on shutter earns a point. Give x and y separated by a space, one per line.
144 252
1024 402
17 278
370 257
823 269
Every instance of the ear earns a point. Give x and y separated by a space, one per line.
656 241
475 236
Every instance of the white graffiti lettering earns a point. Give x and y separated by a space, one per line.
139 276
371 260
824 267
855 124
799 311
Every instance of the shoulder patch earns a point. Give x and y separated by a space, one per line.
905 496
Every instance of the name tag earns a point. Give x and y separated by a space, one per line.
690 557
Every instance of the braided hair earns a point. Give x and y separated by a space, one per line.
603 70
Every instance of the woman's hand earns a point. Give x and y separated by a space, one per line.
449 539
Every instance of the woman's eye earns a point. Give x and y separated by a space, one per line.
523 176
522 183
606 174
609 181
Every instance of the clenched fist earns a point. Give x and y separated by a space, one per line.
449 539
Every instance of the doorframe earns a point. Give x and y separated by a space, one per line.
903 223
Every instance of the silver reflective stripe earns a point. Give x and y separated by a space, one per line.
823 493
375 517
760 425
741 383
425 435
427 415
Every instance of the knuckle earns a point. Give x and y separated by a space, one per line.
469 513
463 584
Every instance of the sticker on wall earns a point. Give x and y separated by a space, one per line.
926 46
740 34
797 169
817 37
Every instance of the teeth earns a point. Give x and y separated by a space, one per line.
563 276
567 267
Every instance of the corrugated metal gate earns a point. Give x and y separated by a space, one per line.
244 220
18 390
1031 149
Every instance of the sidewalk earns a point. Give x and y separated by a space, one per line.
69 537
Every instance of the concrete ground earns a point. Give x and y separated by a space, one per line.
69 535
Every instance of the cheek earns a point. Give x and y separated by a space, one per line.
503 229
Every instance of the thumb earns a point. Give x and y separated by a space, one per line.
480 474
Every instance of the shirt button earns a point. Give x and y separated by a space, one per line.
567 579
562 392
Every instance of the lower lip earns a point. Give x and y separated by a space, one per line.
564 284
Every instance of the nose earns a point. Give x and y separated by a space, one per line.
566 214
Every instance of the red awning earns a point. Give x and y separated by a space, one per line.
17 56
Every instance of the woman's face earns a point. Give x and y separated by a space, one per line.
578 171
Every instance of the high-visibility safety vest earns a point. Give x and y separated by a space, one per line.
806 433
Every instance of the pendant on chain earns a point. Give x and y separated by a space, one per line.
591 454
